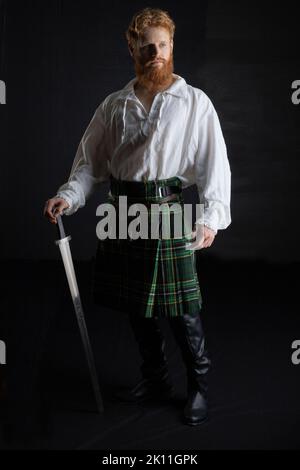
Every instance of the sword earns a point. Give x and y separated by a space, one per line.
66 255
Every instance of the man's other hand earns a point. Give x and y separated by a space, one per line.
204 237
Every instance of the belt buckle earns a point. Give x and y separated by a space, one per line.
159 191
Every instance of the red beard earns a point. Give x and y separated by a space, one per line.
154 77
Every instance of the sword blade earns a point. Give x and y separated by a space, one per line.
71 277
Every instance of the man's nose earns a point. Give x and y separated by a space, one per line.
153 50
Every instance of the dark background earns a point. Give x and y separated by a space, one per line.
59 60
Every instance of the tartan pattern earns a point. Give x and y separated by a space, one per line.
148 277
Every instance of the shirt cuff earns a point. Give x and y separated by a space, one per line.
212 228
67 211
208 225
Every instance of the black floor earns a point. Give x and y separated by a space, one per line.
251 317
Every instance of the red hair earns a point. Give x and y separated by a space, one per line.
148 17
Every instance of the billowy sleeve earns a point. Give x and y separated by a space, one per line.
213 174
90 166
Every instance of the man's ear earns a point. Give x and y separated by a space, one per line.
172 45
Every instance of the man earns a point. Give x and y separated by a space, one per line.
153 138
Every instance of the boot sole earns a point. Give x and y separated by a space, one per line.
195 423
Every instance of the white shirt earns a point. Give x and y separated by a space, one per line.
180 136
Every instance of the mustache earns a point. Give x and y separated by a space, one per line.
156 60
149 62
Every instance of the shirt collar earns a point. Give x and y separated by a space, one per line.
178 88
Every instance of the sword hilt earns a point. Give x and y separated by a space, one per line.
60 227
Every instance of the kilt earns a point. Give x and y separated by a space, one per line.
148 277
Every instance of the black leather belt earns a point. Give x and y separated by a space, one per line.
138 189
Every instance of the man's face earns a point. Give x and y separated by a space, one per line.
153 57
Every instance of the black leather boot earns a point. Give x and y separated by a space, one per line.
156 381
189 334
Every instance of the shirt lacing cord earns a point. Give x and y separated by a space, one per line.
157 120
124 120
160 111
